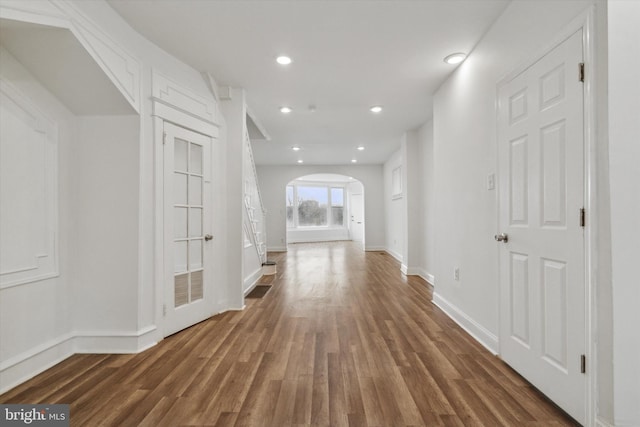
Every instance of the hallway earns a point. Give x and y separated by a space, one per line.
342 338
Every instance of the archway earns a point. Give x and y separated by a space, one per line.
325 207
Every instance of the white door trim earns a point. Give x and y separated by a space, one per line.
587 22
165 110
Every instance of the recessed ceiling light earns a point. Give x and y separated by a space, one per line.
354 161
285 110
295 148
455 58
375 109
360 147
283 60
300 161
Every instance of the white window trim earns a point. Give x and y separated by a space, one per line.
328 186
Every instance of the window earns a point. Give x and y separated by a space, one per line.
337 206
314 206
290 205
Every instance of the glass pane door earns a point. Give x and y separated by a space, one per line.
188 238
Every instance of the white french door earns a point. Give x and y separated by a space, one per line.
187 226
542 270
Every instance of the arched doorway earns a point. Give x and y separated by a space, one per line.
325 207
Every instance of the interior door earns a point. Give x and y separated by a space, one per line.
541 178
187 227
357 219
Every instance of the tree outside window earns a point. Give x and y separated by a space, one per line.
314 206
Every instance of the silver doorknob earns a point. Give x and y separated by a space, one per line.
208 237
502 237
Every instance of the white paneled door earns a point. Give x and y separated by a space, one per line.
357 219
187 227
542 270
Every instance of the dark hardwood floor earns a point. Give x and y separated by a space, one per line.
342 339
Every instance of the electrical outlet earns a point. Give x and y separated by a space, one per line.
456 274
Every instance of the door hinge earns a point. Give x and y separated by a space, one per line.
164 138
583 364
164 310
581 71
583 219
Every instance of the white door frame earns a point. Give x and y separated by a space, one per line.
177 112
586 22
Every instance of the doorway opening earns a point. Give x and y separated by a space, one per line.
325 207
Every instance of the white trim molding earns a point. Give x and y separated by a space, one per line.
40 133
191 105
122 68
34 361
476 330
602 423
251 281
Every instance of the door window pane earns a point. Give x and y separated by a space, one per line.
180 188
195 190
196 159
181 289
180 222
180 256
195 254
180 158
195 222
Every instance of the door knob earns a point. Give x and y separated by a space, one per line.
502 237
208 237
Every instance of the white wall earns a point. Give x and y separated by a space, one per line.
427 208
40 312
465 153
104 174
624 157
274 179
394 211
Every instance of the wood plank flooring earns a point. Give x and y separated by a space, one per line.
342 339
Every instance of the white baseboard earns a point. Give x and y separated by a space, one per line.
396 255
28 364
430 278
374 249
251 281
476 330
277 249
602 423
404 269
117 342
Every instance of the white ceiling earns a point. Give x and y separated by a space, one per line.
347 56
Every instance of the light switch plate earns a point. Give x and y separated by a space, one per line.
491 181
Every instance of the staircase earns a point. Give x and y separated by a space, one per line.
255 212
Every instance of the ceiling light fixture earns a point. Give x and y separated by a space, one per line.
285 110
360 147
283 60
354 161
455 58
375 109
295 148
300 161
